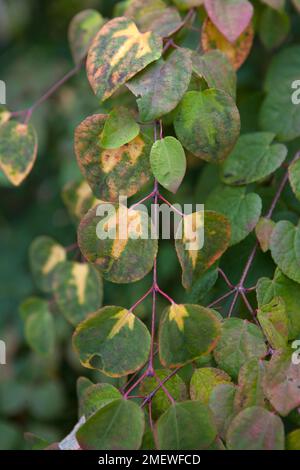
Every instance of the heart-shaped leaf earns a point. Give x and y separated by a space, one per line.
97 396
119 129
112 340
204 381
78 199
253 158
187 332
285 248
111 172
18 150
118 425
231 17
250 385
118 52
168 163
186 426
263 232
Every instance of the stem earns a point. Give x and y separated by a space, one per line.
151 395
233 303
168 394
231 286
161 292
139 301
136 383
223 297
170 205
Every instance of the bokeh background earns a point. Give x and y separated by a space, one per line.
39 395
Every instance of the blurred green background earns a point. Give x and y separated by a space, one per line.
39 395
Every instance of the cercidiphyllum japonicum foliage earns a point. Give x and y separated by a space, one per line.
165 83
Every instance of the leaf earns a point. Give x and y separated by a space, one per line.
237 53
117 426
186 426
274 322
274 26
231 17
160 402
282 382
5 115
293 440
112 340
168 162
111 172
78 290
204 381
78 198
294 177
242 209
240 341
288 290
119 129
185 333
285 249
207 123
255 429
118 52
39 326
250 385
18 150
161 86
96 397
222 405
217 71
283 71
82 31
194 261
263 232
253 158
127 248
44 255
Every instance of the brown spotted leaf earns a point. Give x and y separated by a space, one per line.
82 31
18 150
118 52
217 233
111 172
237 52
118 242
78 198
112 340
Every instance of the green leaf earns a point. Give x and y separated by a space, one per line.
274 322
207 123
263 232
240 341
119 129
283 71
294 176
204 381
126 251
253 158
78 290
39 326
112 340
96 397
216 70
160 402
168 163
118 52
195 262
282 382
255 429
18 150
250 385
242 209
111 172
44 256
293 440
78 198
186 426
288 290
222 405
274 26
231 17
187 332
285 248
82 31
117 426
161 86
